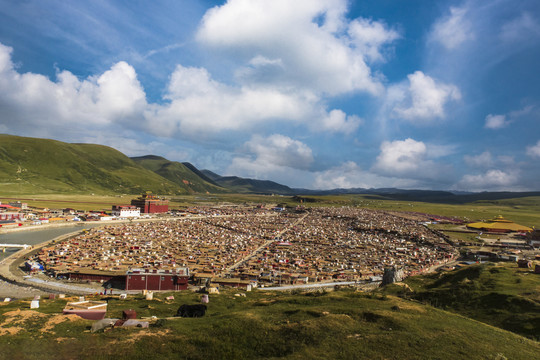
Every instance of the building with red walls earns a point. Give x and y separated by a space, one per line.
169 280
149 204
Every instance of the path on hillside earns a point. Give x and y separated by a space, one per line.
267 243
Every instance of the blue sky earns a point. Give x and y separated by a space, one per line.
315 94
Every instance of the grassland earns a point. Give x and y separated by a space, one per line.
525 211
500 294
344 324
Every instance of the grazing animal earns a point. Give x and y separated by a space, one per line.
191 310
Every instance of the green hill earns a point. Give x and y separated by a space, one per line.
502 295
32 166
249 186
179 173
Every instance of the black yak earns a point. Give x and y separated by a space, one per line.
191 310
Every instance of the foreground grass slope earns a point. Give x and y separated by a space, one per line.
498 294
36 166
343 324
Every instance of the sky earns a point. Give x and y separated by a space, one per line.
316 94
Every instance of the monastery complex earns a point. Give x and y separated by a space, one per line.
258 246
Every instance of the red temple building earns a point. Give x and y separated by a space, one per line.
149 203
143 279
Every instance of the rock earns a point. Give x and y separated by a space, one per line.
391 275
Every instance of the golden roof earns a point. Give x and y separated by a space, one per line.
499 223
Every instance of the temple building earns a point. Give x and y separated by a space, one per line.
126 211
149 204
499 225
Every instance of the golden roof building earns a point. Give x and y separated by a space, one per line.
499 225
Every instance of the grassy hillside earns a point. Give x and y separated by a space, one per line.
178 173
33 166
244 186
498 294
324 325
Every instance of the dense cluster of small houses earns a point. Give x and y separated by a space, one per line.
251 246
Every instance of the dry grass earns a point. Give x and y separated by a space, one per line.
18 317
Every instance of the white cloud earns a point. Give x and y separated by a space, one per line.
344 176
338 121
201 106
484 160
369 37
349 175
493 179
304 44
411 159
401 157
496 121
452 30
501 121
38 106
277 156
423 100
268 154
534 150
197 106
524 28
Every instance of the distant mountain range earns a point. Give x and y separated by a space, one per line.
37 166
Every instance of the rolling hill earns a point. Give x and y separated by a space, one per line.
185 175
32 166
249 186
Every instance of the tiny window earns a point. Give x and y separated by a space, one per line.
142 278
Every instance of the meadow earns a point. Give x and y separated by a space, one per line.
523 210
343 324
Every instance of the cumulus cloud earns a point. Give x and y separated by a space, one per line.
350 175
32 101
493 179
423 100
534 150
370 36
401 157
196 105
496 122
266 154
302 44
338 121
411 159
276 156
344 176
453 29
201 106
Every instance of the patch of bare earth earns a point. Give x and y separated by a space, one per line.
135 336
58 319
18 317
